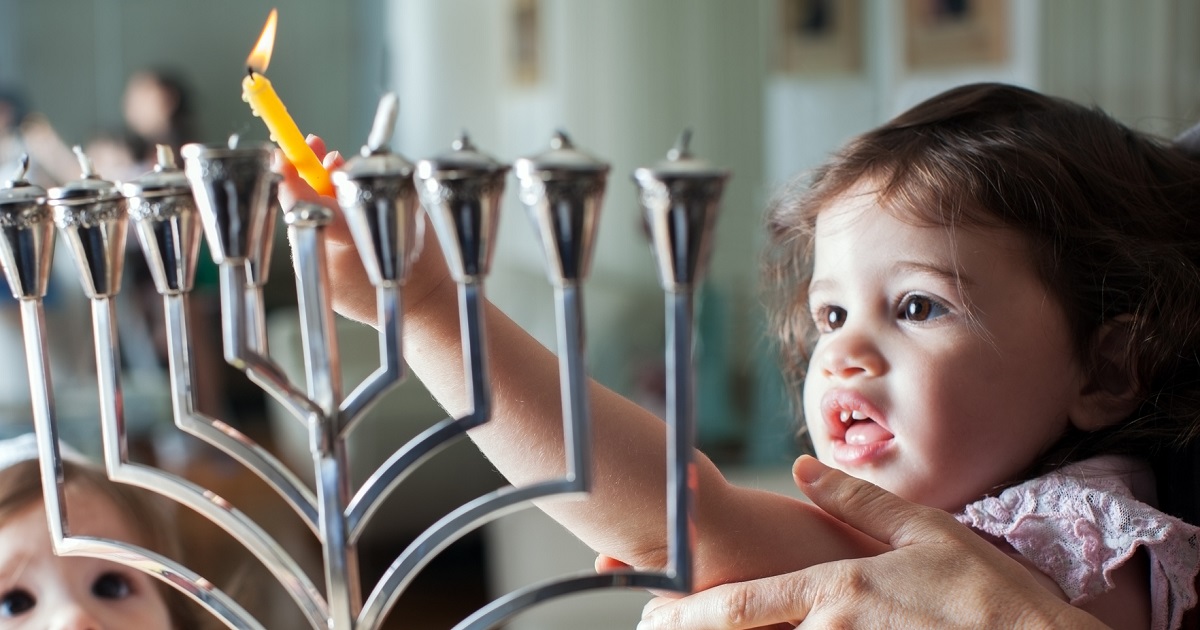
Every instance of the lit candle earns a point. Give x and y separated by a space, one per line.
265 103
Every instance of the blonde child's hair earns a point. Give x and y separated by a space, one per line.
149 519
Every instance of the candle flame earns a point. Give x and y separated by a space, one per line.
260 57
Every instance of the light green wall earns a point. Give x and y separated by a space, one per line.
1139 61
72 57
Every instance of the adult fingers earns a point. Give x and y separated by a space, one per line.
767 603
869 508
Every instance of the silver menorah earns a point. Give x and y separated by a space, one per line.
228 192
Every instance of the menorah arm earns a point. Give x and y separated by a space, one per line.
241 527
239 351
391 369
219 434
504 608
216 509
447 530
50 467
390 473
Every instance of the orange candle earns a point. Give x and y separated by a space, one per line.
265 103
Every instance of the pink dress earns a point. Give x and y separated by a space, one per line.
1079 523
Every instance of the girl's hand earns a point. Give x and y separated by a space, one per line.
353 294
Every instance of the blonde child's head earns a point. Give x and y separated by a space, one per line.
40 589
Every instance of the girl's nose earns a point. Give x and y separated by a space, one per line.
75 617
852 354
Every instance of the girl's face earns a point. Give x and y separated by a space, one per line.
39 590
909 389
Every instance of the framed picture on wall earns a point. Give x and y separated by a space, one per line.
525 42
819 37
948 33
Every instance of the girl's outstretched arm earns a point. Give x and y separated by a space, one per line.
741 533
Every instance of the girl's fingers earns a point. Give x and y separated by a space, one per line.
332 160
293 188
317 145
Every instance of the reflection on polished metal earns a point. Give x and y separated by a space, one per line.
227 191
680 197
27 230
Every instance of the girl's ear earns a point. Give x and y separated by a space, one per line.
1110 391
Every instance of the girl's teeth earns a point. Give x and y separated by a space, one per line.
858 415
845 416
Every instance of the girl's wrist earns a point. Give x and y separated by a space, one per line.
433 304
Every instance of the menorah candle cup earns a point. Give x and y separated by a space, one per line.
26 236
460 191
563 189
167 223
379 200
680 197
92 215
232 186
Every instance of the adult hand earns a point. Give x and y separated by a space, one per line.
940 574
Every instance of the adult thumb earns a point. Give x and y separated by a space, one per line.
869 508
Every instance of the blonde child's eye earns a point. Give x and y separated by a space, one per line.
919 308
111 586
16 602
829 318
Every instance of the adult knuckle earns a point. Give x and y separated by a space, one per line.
854 582
841 582
831 619
935 526
861 497
671 618
737 606
841 623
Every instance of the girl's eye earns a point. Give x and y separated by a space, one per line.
16 602
918 308
111 586
829 318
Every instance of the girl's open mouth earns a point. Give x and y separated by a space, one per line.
857 431
863 430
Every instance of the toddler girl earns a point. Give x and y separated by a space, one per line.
988 305
40 590
1040 267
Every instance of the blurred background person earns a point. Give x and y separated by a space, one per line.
156 109
12 110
